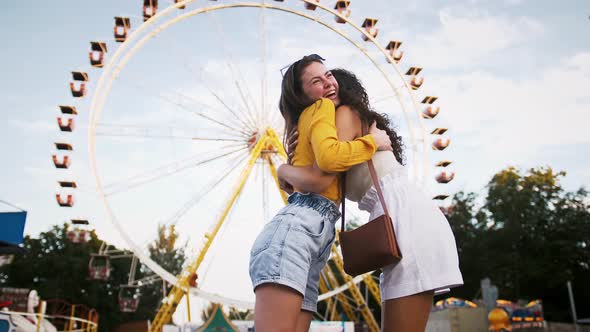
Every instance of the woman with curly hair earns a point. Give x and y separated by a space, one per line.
430 262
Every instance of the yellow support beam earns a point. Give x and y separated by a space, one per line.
276 142
346 306
40 314
355 292
267 141
273 172
188 307
72 316
372 286
329 302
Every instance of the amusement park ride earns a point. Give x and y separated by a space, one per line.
251 129
23 310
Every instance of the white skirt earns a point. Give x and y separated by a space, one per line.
429 253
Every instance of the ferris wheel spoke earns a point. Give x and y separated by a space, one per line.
242 122
159 169
198 133
153 133
208 117
230 130
264 45
161 172
273 118
238 77
245 101
244 117
277 125
167 137
245 121
383 98
215 250
203 115
175 100
265 206
205 189
216 139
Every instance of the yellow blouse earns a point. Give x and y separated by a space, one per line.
318 141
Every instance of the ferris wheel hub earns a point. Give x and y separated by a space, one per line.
253 139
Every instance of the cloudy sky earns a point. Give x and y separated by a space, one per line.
512 79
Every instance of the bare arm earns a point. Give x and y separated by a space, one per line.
332 154
348 123
312 178
306 178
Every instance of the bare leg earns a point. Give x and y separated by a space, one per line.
304 320
408 314
277 308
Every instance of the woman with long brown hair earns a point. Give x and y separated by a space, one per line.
288 255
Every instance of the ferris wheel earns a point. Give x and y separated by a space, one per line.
184 130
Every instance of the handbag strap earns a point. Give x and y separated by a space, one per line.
343 196
376 183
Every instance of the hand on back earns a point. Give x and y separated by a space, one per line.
292 140
381 138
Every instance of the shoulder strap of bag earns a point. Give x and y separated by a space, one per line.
376 183
343 197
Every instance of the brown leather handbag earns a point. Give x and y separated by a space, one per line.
372 245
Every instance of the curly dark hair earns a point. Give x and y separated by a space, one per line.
352 93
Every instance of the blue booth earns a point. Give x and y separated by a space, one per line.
12 227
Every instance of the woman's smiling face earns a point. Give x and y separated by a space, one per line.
318 82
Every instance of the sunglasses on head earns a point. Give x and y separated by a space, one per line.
311 57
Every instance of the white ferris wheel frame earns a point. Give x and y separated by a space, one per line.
115 66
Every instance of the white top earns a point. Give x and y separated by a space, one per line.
358 178
425 238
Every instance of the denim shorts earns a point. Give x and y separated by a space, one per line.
294 246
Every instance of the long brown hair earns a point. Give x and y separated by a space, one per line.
293 100
352 93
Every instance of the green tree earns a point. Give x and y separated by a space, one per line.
236 314
165 251
468 225
529 236
58 269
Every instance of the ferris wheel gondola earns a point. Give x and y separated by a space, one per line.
78 86
395 53
370 30
430 112
97 53
121 29
150 7
341 7
79 233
